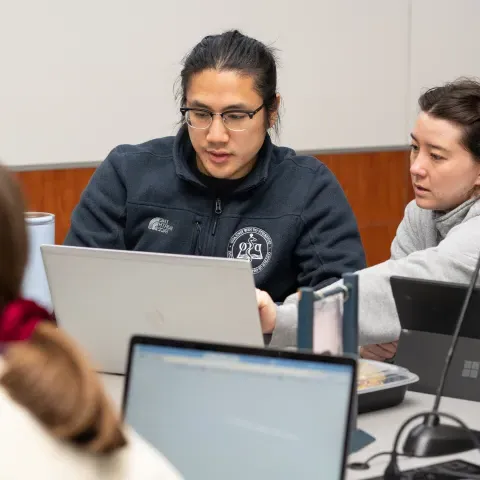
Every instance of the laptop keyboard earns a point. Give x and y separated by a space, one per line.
454 469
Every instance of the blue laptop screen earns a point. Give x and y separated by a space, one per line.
216 415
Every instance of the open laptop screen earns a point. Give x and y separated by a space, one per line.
237 415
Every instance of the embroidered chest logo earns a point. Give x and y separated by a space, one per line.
160 225
251 243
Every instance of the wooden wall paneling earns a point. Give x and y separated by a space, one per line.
55 191
376 240
410 192
375 184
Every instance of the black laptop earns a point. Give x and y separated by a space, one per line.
218 411
428 311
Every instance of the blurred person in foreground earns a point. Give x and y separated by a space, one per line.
56 421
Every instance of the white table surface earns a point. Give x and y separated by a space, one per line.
382 424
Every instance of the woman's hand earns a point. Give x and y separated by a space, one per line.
379 352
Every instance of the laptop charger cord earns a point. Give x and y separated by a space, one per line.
366 464
392 472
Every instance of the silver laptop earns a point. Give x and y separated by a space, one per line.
428 311
219 412
103 297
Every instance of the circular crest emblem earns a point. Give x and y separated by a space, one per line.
251 243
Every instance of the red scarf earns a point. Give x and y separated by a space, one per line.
19 319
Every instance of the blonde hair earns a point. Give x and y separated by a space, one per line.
48 374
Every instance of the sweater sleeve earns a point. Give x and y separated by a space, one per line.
99 218
452 260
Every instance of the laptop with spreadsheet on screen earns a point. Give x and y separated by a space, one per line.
221 411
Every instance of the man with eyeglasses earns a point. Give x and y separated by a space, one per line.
221 188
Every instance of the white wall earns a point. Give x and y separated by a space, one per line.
78 78
445 44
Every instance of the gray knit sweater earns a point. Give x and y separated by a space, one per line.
428 244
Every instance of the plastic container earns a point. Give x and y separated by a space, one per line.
381 385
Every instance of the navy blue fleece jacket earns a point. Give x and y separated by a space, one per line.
289 216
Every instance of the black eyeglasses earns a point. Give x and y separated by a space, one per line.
234 120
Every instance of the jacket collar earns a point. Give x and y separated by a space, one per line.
183 150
